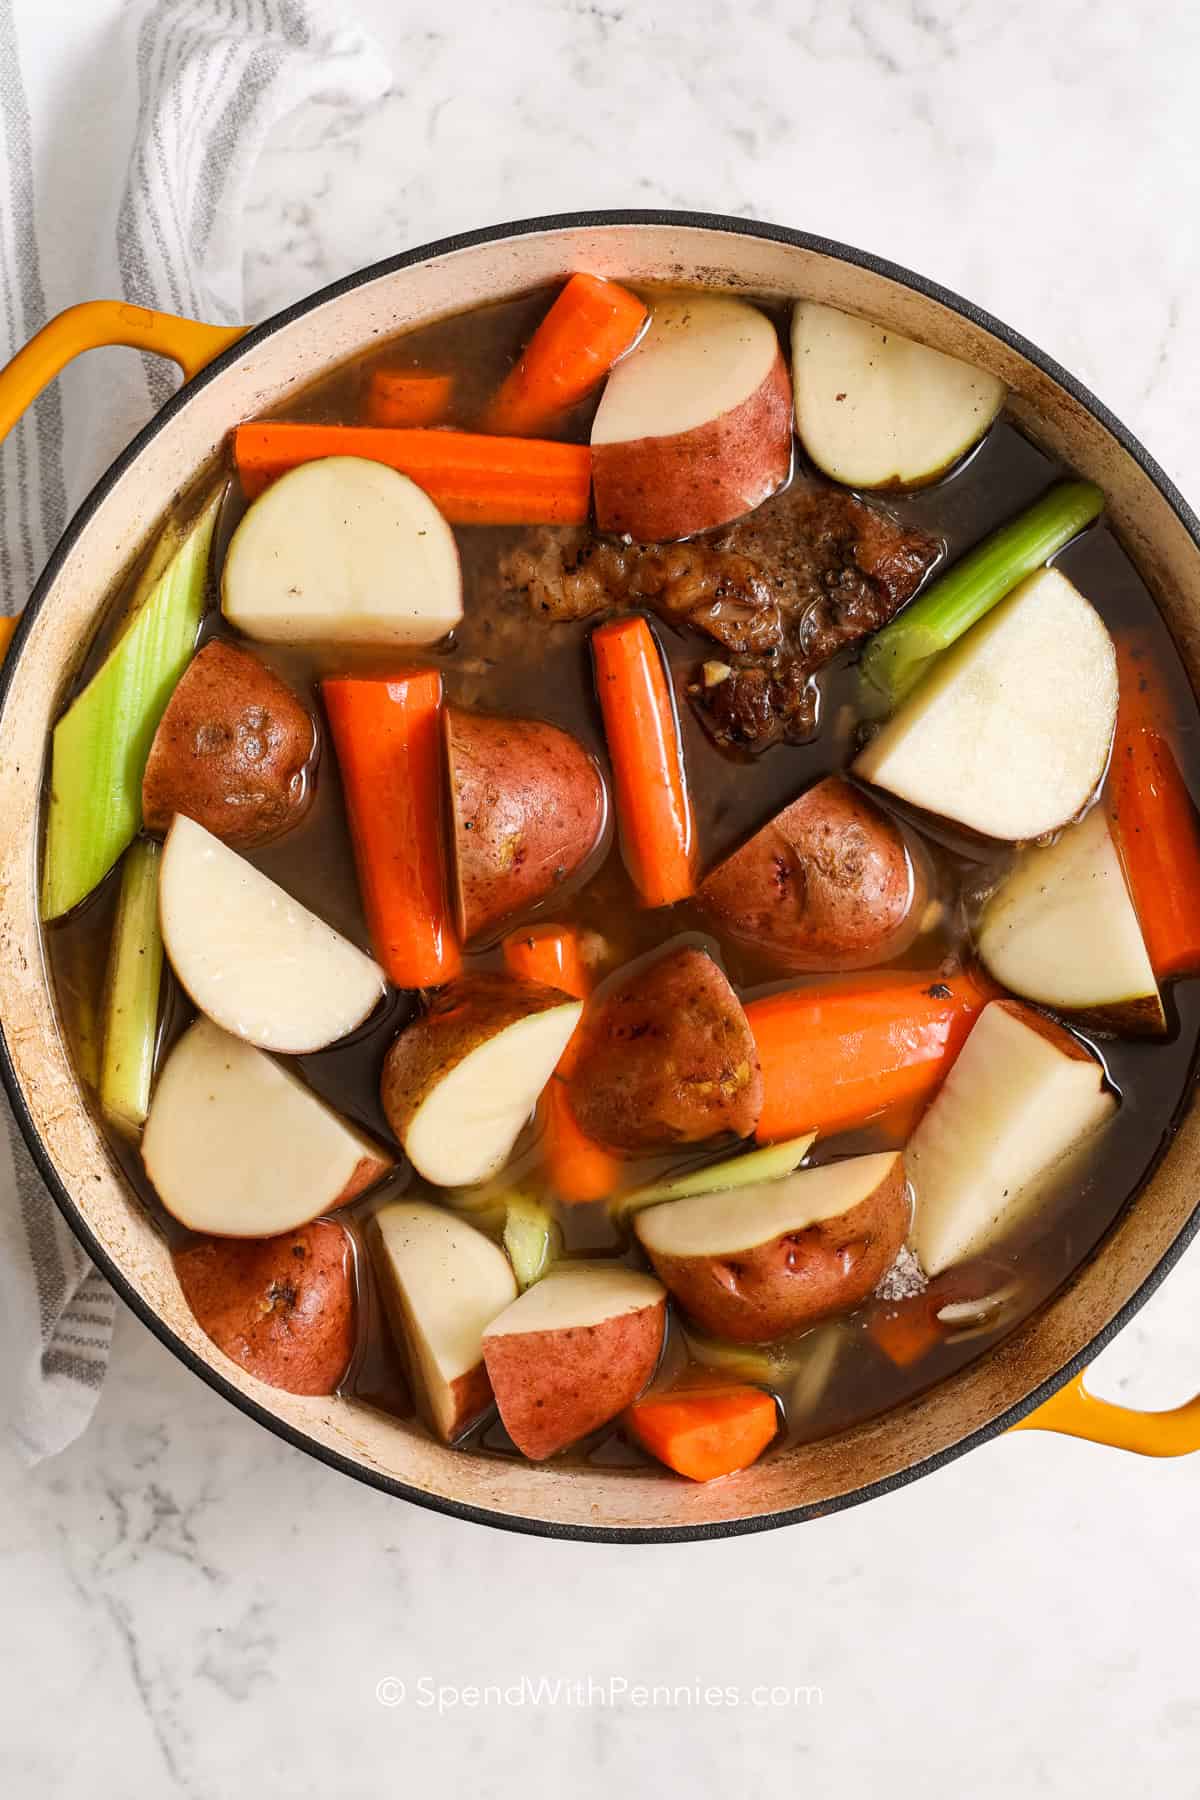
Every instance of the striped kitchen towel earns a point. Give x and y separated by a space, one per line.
130 131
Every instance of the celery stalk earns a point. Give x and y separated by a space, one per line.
897 657
166 545
131 994
532 1239
102 741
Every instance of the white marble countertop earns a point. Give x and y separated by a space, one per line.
188 1606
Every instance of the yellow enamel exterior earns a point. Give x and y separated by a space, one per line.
92 325
1076 1413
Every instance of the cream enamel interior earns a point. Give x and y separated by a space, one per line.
263 374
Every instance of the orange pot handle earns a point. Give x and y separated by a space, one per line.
1076 1413
90 326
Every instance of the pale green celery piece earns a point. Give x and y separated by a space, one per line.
131 994
816 1358
898 656
770 1163
165 546
760 1366
101 743
532 1239
485 1207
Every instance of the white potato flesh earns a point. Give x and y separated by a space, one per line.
450 1282
1061 928
1009 734
1021 1098
874 408
697 360
743 1218
464 1130
577 1299
343 551
236 1145
769 1163
251 957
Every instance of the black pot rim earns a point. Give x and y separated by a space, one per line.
300 1440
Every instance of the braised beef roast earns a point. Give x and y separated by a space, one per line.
781 591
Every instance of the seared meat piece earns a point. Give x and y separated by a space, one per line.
782 590
754 706
570 574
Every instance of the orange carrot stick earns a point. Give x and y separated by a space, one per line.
1155 823
591 323
388 738
654 809
549 954
834 1055
408 397
579 1169
473 480
704 1433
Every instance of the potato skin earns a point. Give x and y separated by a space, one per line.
283 1307
235 750
827 884
661 488
553 1387
666 1057
459 1017
529 808
756 1295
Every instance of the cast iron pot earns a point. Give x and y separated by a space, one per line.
1034 1377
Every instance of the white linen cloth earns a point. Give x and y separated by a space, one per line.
126 147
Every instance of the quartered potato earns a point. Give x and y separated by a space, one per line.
694 427
283 1308
529 808
828 884
235 751
665 1057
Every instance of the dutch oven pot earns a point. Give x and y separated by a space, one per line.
1034 1377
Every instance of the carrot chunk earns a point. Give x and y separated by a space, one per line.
1154 819
590 325
408 397
579 1169
471 479
704 1434
837 1053
389 743
654 809
549 954
906 1330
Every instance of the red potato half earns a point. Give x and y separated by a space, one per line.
574 1351
755 1264
828 884
443 1283
461 1081
695 425
666 1057
236 1145
1021 1099
250 956
529 807
282 1308
343 551
235 750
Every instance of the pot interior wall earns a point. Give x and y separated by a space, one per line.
261 376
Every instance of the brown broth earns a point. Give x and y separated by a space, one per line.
511 663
